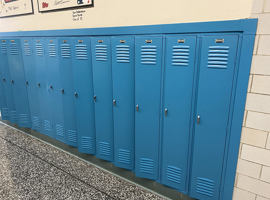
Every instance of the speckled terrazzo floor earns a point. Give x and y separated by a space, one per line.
31 169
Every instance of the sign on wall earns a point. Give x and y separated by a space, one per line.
48 5
15 7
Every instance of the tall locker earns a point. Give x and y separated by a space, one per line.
7 83
123 72
217 66
52 55
67 89
148 67
18 82
3 101
43 88
178 84
102 76
83 94
31 82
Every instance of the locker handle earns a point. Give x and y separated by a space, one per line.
62 90
12 82
198 119
26 82
166 112
38 85
4 80
51 87
76 95
95 97
137 108
114 103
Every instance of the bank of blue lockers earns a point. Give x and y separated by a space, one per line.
158 105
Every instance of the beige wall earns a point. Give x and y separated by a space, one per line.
107 13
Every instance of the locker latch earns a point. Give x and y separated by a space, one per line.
51 87
114 103
26 82
95 98
62 90
198 119
76 95
12 82
166 112
38 85
4 80
137 108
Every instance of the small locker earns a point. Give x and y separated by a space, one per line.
67 89
7 83
123 72
102 76
178 84
18 82
83 94
3 101
31 82
43 87
148 68
216 74
55 93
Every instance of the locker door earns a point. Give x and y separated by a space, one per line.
55 88
179 71
123 100
3 101
43 88
102 76
148 55
83 92
7 83
217 68
31 82
18 82
67 89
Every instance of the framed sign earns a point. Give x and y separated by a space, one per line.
15 7
50 5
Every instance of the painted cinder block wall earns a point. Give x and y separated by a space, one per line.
253 170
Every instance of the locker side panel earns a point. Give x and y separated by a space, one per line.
18 82
102 76
67 89
216 76
148 67
31 82
7 83
178 84
55 88
123 71
83 94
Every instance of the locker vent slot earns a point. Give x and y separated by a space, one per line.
72 136
205 186
87 143
14 49
14 115
65 50
36 122
52 50
27 51
101 52
174 174
218 57
148 55
124 156
180 55
3 48
39 49
81 52
122 53
59 130
4 112
23 118
104 148
147 165
47 125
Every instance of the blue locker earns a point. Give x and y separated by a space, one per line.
83 92
123 72
102 76
67 89
3 101
43 88
55 93
18 81
148 68
7 83
178 84
217 66
31 82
